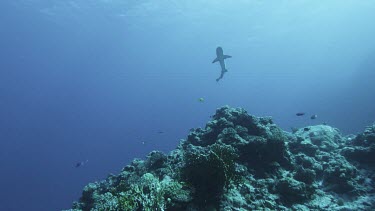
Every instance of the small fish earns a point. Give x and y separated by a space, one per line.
314 116
300 113
306 129
160 132
201 99
82 163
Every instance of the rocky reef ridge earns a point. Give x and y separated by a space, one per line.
242 162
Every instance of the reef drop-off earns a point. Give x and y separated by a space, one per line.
242 162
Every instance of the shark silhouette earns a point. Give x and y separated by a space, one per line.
220 58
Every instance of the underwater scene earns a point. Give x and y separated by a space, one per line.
201 105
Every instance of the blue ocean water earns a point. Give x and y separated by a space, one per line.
111 80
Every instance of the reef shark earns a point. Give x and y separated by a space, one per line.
220 58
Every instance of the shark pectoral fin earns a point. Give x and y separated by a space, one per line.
215 60
227 56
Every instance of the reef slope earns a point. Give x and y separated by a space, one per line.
242 162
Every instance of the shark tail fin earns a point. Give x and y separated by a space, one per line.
227 56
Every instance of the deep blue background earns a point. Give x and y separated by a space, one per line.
98 80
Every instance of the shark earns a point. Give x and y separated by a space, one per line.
220 58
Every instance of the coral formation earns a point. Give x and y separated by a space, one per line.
242 162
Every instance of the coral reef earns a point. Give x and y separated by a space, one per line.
242 162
